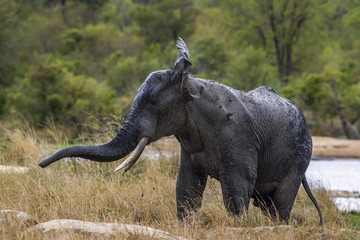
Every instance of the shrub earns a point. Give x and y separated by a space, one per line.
53 93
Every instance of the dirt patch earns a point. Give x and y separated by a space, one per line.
327 147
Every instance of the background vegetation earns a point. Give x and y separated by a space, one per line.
62 61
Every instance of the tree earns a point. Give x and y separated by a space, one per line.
249 69
210 58
335 92
161 21
91 4
274 25
8 17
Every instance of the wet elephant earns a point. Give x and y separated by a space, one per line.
256 143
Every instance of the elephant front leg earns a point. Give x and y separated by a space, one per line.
190 186
236 200
237 191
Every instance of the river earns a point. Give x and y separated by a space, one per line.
337 175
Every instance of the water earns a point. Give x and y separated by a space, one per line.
337 175
347 203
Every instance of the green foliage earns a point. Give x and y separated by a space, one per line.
127 74
309 50
71 40
351 20
250 69
53 93
117 13
276 26
8 20
164 20
3 100
45 34
91 46
210 58
123 74
317 94
91 4
352 220
94 4
335 92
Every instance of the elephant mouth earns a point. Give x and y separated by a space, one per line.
134 156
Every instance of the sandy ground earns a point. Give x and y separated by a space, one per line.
327 147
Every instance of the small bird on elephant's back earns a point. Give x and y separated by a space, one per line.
256 143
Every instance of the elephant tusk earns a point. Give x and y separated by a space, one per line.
130 161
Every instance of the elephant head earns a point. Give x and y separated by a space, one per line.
158 110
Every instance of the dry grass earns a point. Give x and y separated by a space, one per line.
145 195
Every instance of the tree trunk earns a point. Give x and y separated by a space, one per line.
285 27
279 49
288 63
350 130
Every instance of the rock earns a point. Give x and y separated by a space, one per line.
264 228
10 218
271 228
59 226
261 229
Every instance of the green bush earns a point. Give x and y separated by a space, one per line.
53 93
210 58
128 73
3 97
70 41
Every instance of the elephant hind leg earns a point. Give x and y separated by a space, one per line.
278 204
266 205
284 197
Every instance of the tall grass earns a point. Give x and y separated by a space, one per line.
145 195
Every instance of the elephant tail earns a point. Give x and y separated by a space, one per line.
311 196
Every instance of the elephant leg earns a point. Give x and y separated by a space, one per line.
238 179
190 186
284 196
266 205
236 198
237 184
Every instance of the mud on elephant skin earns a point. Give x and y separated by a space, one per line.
256 143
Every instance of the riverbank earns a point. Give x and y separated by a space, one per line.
327 147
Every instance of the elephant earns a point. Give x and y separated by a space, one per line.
255 143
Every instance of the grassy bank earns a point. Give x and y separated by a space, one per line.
145 195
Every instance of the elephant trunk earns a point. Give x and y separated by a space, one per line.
125 142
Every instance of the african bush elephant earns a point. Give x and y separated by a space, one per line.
256 143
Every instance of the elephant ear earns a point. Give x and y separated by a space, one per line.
182 65
181 71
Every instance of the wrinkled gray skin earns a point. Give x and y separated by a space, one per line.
255 143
